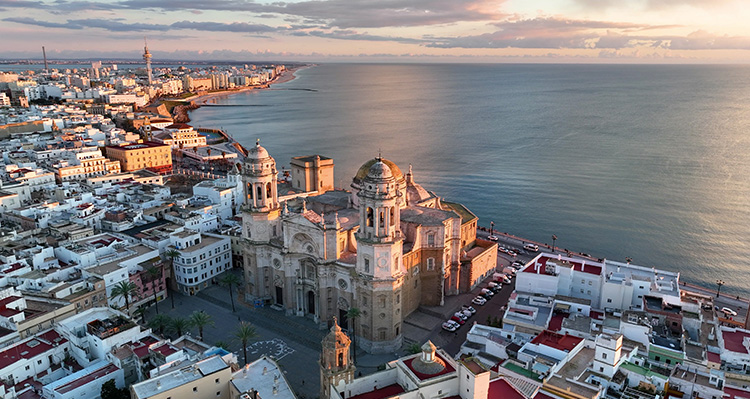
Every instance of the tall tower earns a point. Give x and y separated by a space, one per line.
147 58
44 53
259 177
336 366
379 259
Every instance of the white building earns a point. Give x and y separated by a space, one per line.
262 377
205 379
203 257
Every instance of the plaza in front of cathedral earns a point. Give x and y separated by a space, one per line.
385 246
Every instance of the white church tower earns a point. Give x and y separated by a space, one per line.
379 260
259 175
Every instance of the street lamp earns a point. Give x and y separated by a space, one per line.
554 238
492 228
719 283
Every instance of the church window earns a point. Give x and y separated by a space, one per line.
381 301
430 240
268 190
367 265
382 219
369 217
381 333
341 359
259 192
430 263
393 216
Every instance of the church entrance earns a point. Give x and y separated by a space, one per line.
310 302
343 319
279 296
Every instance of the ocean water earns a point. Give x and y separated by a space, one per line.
647 162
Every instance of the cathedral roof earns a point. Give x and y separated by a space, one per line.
365 169
257 152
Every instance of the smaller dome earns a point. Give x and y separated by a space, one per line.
336 338
257 152
379 170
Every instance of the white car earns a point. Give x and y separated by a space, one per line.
450 325
729 312
469 308
479 301
492 238
461 316
487 292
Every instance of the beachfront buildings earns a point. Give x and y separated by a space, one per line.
203 257
385 248
179 136
149 155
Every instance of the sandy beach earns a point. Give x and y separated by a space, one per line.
181 112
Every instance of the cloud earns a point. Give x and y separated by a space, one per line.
116 25
353 35
239 27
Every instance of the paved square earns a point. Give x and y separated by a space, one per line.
275 348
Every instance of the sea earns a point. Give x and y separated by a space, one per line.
649 162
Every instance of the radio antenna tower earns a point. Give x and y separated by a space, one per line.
147 58
44 53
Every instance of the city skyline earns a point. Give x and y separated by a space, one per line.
395 30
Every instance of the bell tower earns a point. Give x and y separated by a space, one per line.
380 259
336 366
259 178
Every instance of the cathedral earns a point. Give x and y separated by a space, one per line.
384 247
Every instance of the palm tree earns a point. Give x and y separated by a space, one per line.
171 254
200 319
222 344
244 333
159 322
414 349
353 314
230 279
155 274
178 325
126 289
140 312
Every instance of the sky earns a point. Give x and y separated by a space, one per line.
659 31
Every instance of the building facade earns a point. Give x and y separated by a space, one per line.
148 155
385 248
203 257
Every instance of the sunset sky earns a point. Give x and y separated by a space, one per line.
388 30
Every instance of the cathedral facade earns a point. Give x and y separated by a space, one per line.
385 247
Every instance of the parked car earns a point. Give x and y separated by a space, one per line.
450 325
494 286
506 280
458 320
531 247
486 296
469 308
517 263
492 238
478 300
486 291
461 316
729 312
512 253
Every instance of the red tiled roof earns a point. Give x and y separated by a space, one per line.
736 393
501 389
5 301
24 351
108 369
733 340
9 312
385 392
448 368
165 349
713 357
555 323
179 126
596 315
577 266
558 341
541 395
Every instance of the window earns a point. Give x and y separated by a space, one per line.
367 265
581 290
430 263
657 358
668 361
195 389
609 300
583 281
604 355
217 380
590 282
430 240
601 369
218 393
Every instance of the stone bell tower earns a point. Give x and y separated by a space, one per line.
336 366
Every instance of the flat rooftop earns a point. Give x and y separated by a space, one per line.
539 267
558 341
174 379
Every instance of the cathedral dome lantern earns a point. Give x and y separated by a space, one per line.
260 176
379 198
364 171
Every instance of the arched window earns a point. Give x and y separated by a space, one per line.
249 191
341 359
369 217
382 219
268 190
393 216
259 192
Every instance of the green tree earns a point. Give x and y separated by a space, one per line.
159 323
141 313
230 279
110 391
178 325
126 289
154 273
200 319
352 314
222 344
414 349
244 333
171 254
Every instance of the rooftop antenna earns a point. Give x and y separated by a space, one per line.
44 53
